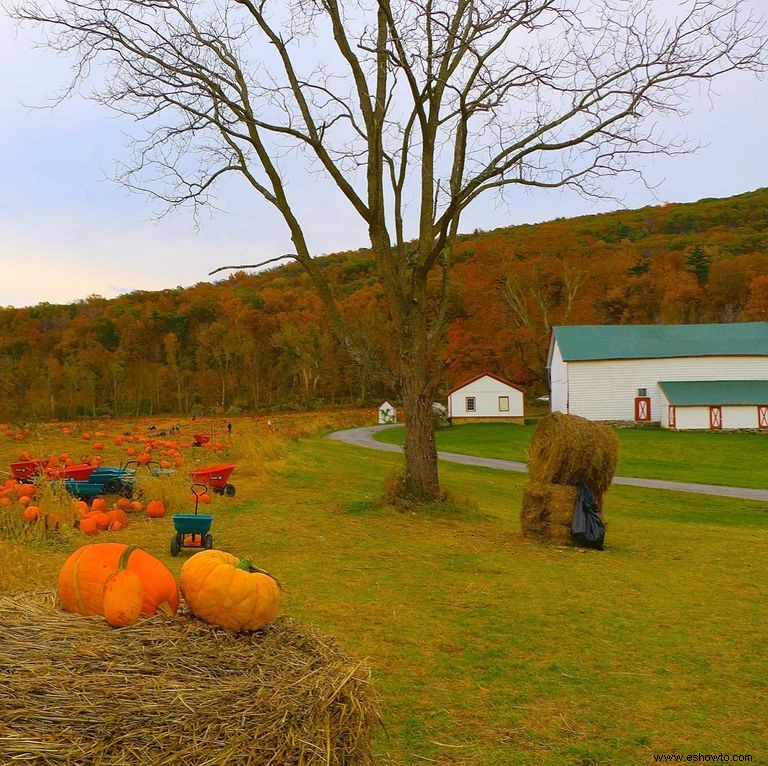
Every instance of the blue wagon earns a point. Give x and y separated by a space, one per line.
104 480
192 529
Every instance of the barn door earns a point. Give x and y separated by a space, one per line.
716 417
762 416
642 408
672 416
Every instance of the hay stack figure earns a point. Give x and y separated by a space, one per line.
565 450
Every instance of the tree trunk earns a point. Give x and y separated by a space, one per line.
421 482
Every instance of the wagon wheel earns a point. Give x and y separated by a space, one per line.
208 542
175 546
229 490
111 486
126 491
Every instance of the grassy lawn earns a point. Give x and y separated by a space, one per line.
489 650
730 459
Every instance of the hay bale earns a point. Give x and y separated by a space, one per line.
567 449
547 507
176 691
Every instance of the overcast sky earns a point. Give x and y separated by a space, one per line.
68 231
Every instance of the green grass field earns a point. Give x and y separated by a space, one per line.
730 459
490 650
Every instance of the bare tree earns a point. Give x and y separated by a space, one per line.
429 102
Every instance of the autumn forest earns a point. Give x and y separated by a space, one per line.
256 342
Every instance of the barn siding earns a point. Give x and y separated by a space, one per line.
606 389
558 381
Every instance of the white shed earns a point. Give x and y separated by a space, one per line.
387 413
486 397
615 372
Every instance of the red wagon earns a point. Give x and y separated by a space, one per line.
80 472
216 477
25 471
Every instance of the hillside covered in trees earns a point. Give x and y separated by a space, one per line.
261 341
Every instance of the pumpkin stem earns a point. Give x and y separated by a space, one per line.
245 564
165 609
123 562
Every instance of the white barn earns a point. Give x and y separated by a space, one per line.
678 376
486 397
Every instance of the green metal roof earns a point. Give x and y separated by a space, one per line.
706 392
640 341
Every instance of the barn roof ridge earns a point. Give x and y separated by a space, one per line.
602 342
483 375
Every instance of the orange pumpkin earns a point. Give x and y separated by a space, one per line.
102 522
31 512
88 526
230 592
123 594
81 507
155 509
82 579
99 504
118 516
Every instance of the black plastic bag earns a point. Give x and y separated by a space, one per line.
587 527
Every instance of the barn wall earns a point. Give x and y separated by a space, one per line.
606 389
558 380
739 417
692 418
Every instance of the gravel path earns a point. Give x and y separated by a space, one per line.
363 437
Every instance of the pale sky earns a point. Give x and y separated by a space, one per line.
68 231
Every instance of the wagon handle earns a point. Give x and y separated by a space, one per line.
194 488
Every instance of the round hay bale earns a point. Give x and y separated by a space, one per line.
176 691
546 506
567 449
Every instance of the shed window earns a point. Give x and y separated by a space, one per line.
503 404
470 404
642 392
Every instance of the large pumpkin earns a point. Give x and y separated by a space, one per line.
82 579
230 592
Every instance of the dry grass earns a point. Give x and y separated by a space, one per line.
175 691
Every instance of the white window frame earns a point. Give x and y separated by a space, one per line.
470 404
503 400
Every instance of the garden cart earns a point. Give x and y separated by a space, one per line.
192 529
103 480
216 477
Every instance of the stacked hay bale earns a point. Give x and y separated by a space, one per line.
176 691
565 450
